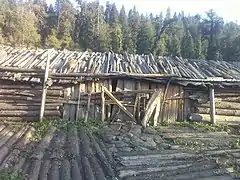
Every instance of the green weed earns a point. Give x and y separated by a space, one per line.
42 127
10 174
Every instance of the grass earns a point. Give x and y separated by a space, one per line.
192 144
208 127
42 127
235 144
10 174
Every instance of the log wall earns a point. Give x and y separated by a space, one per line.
22 102
227 105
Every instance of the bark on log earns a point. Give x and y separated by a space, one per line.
222 118
30 92
226 112
28 86
34 170
44 144
221 105
27 119
46 165
54 172
65 171
9 113
28 107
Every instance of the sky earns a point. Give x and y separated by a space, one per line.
228 9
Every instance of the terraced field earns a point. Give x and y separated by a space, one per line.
114 152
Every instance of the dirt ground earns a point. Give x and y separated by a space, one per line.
117 152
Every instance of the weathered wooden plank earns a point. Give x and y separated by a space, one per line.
44 90
103 106
72 110
212 105
152 103
88 108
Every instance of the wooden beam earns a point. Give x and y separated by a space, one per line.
119 104
152 103
19 70
88 108
44 90
78 101
103 105
157 113
139 103
212 106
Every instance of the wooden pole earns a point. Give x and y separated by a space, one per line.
212 106
88 107
78 102
44 90
103 105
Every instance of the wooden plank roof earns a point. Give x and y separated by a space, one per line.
110 63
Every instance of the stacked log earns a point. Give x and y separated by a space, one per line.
227 107
22 102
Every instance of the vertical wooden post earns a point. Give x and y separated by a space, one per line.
44 90
78 105
109 107
103 105
139 103
88 107
212 106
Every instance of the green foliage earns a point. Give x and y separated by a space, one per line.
116 38
187 46
42 127
52 41
10 174
145 37
208 127
164 123
93 26
235 144
192 144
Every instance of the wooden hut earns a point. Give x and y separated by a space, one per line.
106 86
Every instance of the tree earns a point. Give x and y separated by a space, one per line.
134 22
173 45
187 46
211 29
145 36
116 38
127 44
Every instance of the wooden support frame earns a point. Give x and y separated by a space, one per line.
118 103
44 90
212 106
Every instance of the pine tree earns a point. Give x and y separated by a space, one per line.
173 46
134 22
116 38
187 46
126 41
145 36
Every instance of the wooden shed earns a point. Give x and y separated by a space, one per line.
106 86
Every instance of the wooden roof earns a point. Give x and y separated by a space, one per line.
110 63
